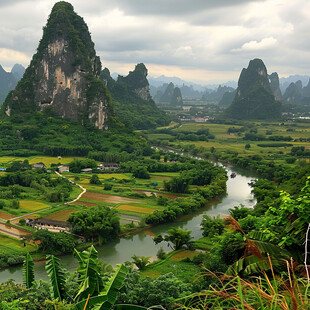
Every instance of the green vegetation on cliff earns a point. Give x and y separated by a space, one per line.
254 98
131 100
62 72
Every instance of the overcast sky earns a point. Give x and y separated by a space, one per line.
209 41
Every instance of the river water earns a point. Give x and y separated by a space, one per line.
141 244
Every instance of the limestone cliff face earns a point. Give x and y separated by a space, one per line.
132 103
275 86
64 73
254 75
254 98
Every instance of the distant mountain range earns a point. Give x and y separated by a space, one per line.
285 82
189 90
8 80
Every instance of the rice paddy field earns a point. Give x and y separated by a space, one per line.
14 246
31 205
135 209
234 141
46 160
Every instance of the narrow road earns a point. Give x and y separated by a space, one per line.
79 196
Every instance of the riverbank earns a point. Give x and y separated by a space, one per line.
141 243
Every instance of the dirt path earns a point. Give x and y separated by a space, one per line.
80 186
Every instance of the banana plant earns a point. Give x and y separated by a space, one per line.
90 278
28 272
57 276
93 293
106 299
259 255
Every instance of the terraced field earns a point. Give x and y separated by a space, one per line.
12 246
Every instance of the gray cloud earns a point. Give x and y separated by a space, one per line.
200 35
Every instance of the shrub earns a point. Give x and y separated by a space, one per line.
22 222
94 179
2 204
107 186
161 254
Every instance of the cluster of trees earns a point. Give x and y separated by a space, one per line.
300 151
176 208
77 164
177 236
51 189
203 174
53 243
259 137
97 223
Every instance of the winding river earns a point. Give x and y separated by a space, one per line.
119 251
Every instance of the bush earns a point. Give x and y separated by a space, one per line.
15 260
15 204
212 227
107 186
2 204
162 200
161 254
22 222
94 179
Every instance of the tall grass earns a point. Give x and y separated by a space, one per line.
264 292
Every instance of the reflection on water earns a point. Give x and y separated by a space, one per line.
141 244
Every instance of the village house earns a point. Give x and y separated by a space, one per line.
186 108
108 166
50 225
87 170
63 168
38 166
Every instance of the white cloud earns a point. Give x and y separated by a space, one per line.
264 44
10 57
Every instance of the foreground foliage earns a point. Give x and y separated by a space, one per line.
286 292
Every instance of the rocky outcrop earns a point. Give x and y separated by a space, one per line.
137 81
132 103
228 98
254 98
293 93
296 94
168 94
64 73
275 86
216 96
176 97
171 95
